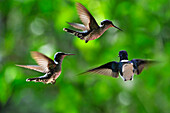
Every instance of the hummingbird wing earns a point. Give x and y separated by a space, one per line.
42 60
78 26
110 69
85 16
139 64
33 67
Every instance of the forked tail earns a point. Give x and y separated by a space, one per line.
76 33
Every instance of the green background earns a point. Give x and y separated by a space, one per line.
37 25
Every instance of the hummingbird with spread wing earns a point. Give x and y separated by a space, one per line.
126 68
90 29
52 69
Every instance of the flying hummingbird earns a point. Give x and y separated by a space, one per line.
126 68
52 69
90 30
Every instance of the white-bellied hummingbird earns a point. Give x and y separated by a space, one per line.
52 69
126 68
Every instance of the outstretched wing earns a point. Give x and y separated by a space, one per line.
85 16
139 64
42 60
33 67
78 26
110 69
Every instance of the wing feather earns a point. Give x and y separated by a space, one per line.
42 60
78 26
85 16
33 67
109 69
139 64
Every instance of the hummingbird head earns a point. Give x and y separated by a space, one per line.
123 55
106 22
60 55
109 23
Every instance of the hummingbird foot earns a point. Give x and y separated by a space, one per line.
53 82
131 78
86 41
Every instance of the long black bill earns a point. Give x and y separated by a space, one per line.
69 54
117 28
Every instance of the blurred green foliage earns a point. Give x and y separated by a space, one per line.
36 25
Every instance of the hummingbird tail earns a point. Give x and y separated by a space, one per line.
33 79
44 79
79 35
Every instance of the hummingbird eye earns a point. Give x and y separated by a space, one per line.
102 23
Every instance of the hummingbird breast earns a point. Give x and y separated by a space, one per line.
53 78
96 33
56 75
127 71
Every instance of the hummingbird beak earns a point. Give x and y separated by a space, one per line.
66 54
116 27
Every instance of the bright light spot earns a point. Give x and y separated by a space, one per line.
124 98
128 85
10 74
37 26
47 49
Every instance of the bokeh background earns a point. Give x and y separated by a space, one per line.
37 25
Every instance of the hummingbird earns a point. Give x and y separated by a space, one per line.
90 29
52 69
126 68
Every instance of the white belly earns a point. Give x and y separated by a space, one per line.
127 71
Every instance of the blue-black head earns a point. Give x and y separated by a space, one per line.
60 55
109 23
106 22
123 55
